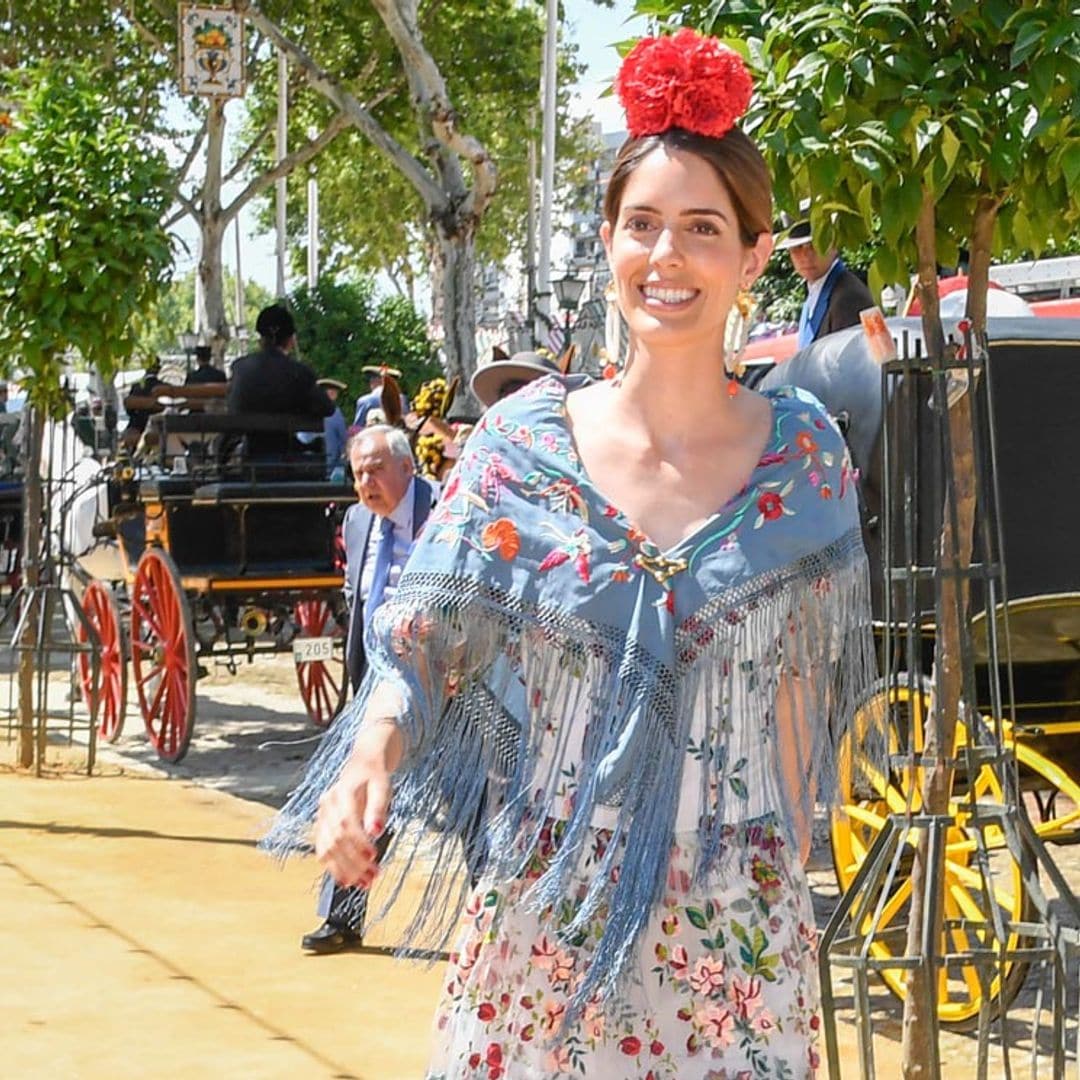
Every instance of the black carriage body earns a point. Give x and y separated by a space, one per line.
224 557
1035 387
249 539
214 531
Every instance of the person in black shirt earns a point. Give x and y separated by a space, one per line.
138 418
271 381
205 372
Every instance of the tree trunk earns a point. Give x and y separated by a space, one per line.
455 259
31 551
918 1045
982 236
212 229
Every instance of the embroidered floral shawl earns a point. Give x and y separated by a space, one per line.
556 664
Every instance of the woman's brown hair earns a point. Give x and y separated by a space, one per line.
734 158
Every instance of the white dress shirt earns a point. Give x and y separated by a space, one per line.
813 289
402 517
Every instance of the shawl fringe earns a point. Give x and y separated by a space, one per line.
487 678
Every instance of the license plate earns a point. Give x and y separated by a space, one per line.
309 650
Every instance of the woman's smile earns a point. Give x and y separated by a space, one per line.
667 297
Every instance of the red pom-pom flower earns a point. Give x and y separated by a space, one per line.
687 81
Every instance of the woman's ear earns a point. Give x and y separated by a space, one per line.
605 238
757 257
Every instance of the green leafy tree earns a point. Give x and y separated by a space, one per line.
941 126
82 254
435 166
342 325
133 49
82 250
372 217
449 166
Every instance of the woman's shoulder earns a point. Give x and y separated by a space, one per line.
542 399
793 403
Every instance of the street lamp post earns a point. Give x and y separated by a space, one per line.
568 291
188 340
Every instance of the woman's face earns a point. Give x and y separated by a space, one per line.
676 253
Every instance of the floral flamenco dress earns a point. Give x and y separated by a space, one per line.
601 725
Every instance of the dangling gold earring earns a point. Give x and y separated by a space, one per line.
736 334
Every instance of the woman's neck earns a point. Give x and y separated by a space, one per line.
669 393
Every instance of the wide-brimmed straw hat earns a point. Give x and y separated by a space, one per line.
788 234
381 369
332 384
487 381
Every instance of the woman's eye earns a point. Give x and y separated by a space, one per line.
705 228
638 224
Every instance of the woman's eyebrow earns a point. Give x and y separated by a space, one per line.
705 211
697 211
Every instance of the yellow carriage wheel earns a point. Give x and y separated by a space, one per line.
1060 813
869 797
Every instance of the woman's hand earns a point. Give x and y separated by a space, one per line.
353 812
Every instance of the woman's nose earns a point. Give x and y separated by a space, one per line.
666 249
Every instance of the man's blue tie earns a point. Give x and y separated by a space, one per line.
380 576
806 333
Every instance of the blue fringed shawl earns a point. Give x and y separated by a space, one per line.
537 635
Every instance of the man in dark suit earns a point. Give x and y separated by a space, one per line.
271 381
835 295
378 532
205 372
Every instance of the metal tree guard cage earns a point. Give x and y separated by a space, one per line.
981 855
45 629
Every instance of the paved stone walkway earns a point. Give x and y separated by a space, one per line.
150 939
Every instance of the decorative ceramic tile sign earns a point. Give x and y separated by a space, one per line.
211 51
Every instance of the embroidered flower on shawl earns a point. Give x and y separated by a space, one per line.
496 473
575 546
563 495
501 536
771 504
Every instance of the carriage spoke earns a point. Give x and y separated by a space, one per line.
162 639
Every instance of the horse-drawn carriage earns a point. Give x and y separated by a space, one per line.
1035 372
217 555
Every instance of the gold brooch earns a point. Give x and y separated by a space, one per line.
661 568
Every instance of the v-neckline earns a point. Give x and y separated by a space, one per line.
772 444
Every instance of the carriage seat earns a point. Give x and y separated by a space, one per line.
161 488
232 424
232 494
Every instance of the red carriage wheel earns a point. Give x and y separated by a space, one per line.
99 607
322 682
163 654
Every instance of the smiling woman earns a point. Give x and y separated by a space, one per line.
619 661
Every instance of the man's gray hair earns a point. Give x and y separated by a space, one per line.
397 442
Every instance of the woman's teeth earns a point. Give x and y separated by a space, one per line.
668 296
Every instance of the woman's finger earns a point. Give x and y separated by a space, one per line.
378 805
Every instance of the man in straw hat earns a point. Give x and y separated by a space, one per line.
501 378
373 399
835 295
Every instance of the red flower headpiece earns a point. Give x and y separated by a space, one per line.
687 81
